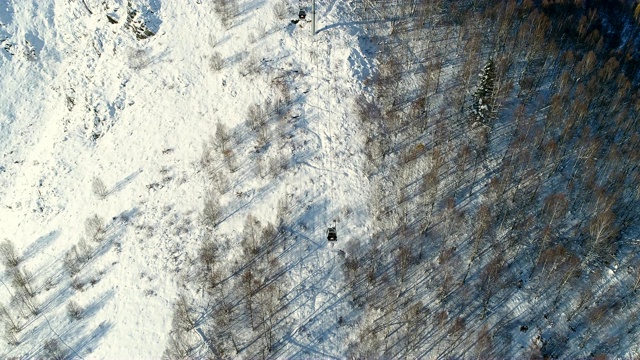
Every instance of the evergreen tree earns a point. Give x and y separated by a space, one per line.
483 97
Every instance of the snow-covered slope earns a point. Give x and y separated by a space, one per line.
84 98
169 170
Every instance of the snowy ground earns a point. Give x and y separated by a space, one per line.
133 93
84 98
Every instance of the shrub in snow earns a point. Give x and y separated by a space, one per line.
251 65
53 350
280 10
222 138
74 310
71 261
216 62
77 283
50 283
226 10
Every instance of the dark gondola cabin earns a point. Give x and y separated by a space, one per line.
302 14
331 234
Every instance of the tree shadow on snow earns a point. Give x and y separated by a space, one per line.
89 342
40 244
124 182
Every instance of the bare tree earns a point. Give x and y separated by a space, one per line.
10 335
222 137
268 305
211 211
221 181
8 254
635 277
488 280
99 188
94 228
178 347
484 343
482 224
11 326
21 281
555 207
402 261
283 214
277 164
208 254
249 287
258 122
183 320
222 333
459 324
251 235
230 159
85 252
413 318
602 230
24 301
367 344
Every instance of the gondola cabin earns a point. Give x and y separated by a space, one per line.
302 14
331 234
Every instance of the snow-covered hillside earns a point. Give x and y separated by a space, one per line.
84 98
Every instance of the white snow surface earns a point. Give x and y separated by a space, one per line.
152 103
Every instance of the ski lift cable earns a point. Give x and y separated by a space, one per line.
328 124
329 129
317 78
331 132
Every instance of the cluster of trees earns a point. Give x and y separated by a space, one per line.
268 126
23 303
24 307
26 304
520 163
241 308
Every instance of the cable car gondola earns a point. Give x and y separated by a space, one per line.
302 14
331 234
